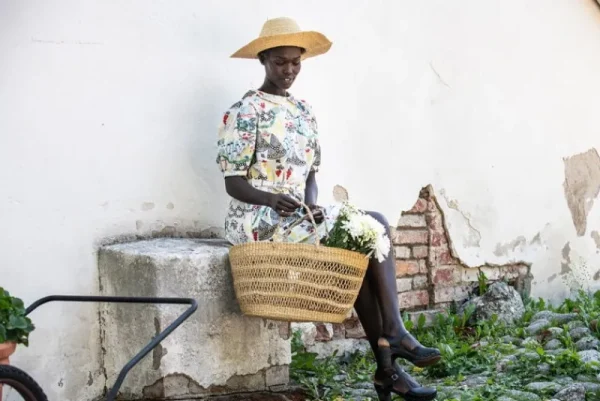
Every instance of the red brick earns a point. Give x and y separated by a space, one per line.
354 329
423 268
435 222
402 252
441 255
413 298
406 268
404 284
449 294
406 237
412 221
492 273
438 239
432 207
419 252
444 276
469 275
420 282
419 207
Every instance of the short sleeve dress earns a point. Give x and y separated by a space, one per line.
272 141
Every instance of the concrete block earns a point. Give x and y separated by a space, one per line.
217 351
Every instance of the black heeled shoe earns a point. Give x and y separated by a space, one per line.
386 375
419 356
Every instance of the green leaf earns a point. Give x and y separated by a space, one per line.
421 322
2 333
17 322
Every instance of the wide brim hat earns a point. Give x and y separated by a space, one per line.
285 32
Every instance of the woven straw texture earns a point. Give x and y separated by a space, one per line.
285 32
296 282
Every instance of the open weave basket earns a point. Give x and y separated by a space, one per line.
296 282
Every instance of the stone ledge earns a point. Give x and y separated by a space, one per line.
217 351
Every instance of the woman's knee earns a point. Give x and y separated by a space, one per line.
380 218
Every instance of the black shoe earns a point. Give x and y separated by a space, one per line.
387 376
419 356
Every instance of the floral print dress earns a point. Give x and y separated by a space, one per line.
272 141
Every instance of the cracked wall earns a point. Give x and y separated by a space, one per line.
429 276
582 186
132 110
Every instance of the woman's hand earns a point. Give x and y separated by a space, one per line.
317 212
284 205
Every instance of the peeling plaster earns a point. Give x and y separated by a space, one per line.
575 271
581 186
536 240
519 242
565 267
596 238
474 236
340 194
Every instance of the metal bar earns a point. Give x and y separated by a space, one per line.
144 300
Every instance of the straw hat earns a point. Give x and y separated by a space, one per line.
285 32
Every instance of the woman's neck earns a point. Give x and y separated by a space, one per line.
268 87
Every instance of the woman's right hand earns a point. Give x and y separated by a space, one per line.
284 205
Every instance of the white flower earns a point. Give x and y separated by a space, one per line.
382 247
367 231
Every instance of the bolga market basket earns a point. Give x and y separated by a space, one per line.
296 282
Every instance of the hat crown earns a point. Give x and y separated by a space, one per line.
279 26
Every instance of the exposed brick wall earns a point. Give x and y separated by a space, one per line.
428 275
423 252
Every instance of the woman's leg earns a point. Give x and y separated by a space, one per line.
369 313
384 279
367 309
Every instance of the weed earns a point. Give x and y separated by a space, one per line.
468 348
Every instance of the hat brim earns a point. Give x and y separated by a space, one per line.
314 44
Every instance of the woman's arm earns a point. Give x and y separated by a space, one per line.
311 194
238 188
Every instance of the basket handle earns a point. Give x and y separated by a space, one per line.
312 220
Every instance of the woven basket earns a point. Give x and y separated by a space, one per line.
296 282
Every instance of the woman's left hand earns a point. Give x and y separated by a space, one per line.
317 212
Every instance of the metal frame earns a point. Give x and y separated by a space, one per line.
112 394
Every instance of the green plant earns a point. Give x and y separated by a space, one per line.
483 282
14 325
489 349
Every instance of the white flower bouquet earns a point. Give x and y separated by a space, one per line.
355 230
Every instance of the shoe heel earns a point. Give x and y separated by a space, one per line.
382 393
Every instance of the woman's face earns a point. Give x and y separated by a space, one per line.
282 65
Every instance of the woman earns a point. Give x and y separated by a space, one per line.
269 153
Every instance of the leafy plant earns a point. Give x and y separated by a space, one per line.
491 350
14 325
483 282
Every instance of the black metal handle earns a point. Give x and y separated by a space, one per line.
112 394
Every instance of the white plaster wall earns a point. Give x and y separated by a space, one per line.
109 109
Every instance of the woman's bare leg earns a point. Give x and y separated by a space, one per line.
384 279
